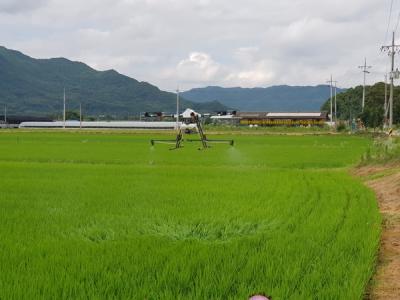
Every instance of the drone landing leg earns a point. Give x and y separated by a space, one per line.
203 137
178 141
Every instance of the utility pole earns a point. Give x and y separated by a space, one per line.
80 115
350 115
385 106
5 113
365 71
177 108
331 86
64 113
335 102
392 50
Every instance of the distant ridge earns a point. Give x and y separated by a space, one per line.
35 86
274 99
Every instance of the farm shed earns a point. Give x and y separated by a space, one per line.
13 121
225 119
283 119
100 124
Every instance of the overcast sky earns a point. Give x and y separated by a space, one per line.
195 43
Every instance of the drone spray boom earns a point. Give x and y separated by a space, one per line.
193 123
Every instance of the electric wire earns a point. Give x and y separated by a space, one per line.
397 23
387 30
389 22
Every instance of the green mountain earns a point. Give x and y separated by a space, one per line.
349 104
35 86
281 98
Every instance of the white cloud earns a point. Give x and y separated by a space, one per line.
256 76
198 67
249 78
202 42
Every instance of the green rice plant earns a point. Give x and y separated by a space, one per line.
109 217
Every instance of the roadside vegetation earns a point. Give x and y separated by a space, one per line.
383 150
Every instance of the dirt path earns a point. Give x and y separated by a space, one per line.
385 181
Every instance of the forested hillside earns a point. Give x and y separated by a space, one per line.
349 104
35 86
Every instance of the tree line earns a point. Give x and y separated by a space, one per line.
349 105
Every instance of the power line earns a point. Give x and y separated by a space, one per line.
390 19
397 23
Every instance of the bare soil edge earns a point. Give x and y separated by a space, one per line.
385 181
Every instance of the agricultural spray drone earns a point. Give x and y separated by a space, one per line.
191 124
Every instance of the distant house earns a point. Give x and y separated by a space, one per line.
282 118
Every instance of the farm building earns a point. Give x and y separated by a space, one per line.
100 125
282 119
16 120
226 119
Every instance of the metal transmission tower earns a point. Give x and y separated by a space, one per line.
392 50
364 68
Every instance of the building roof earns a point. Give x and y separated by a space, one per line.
255 115
100 124
282 115
17 119
294 115
226 117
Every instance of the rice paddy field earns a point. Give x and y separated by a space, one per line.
107 216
